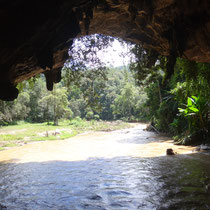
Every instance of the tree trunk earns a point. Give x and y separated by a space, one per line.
55 119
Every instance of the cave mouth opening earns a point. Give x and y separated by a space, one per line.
95 51
96 63
98 50
94 75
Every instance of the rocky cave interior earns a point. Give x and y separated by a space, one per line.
36 35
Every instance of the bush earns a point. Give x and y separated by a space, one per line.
89 115
96 117
165 115
178 126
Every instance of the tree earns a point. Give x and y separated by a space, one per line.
5 112
56 103
37 91
124 103
189 82
16 110
21 107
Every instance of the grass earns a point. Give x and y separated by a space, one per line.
23 132
10 145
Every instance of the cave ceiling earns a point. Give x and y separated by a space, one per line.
36 35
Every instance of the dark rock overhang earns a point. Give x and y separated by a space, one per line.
35 35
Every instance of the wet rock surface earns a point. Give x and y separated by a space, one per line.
35 35
170 152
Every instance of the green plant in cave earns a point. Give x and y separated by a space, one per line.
165 96
195 111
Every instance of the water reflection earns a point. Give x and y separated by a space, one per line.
120 182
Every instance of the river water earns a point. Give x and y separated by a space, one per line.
125 169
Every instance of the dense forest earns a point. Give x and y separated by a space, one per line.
174 98
178 97
116 97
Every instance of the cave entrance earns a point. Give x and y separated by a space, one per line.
97 51
97 85
99 69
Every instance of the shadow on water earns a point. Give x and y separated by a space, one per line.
175 182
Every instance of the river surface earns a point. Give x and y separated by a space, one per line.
125 169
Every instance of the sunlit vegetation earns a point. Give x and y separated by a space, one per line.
24 133
178 102
175 101
116 98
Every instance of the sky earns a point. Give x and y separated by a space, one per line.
116 54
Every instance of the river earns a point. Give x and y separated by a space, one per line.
125 169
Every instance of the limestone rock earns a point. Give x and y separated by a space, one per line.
35 35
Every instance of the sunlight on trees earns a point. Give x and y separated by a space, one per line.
143 90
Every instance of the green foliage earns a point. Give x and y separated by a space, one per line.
78 122
96 117
21 107
124 103
114 98
195 111
117 97
91 91
89 115
148 66
24 133
56 103
178 125
190 79
7 137
165 115
10 145
13 111
83 61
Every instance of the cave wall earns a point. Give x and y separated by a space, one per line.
35 35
